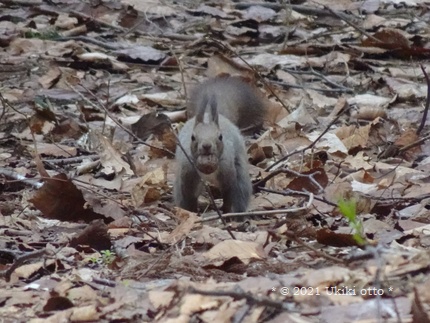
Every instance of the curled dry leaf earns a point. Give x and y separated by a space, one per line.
26 271
49 79
300 116
187 222
329 142
245 251
110 158
103 59
406 138
369 113
256 153
371 100
259 13
141 53
157 124
150 187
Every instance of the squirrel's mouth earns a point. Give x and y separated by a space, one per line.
207 164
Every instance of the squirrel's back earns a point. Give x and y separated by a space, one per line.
237 100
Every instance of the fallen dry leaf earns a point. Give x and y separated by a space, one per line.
225 250
59 199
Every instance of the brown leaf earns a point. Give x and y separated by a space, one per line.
303 183
59 199
67 128
256 153
357 137
330 238
406 138
57 303
95 236
388 39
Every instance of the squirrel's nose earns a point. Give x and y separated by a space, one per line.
207 147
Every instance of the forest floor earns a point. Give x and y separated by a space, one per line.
92 95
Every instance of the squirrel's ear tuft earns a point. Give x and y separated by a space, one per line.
213 109
208 111
201 111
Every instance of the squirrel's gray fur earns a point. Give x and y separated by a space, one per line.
237 101
215 144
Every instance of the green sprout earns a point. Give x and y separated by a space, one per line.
107 257
348 208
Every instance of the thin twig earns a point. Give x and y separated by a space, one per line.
71 160
301 151
90 40
291 235
289 192
34 182
3 103
20 261
181 70
26 3
39 165
104 282
347 21
305 87
304 10
322 76
253 69
267 212
414 144
426 109
289 171
252 299
101 105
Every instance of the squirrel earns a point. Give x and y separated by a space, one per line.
213 141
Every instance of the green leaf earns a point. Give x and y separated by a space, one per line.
348 209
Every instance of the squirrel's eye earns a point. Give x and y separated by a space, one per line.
193 138
220 137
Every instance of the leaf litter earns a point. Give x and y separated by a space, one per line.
92 97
